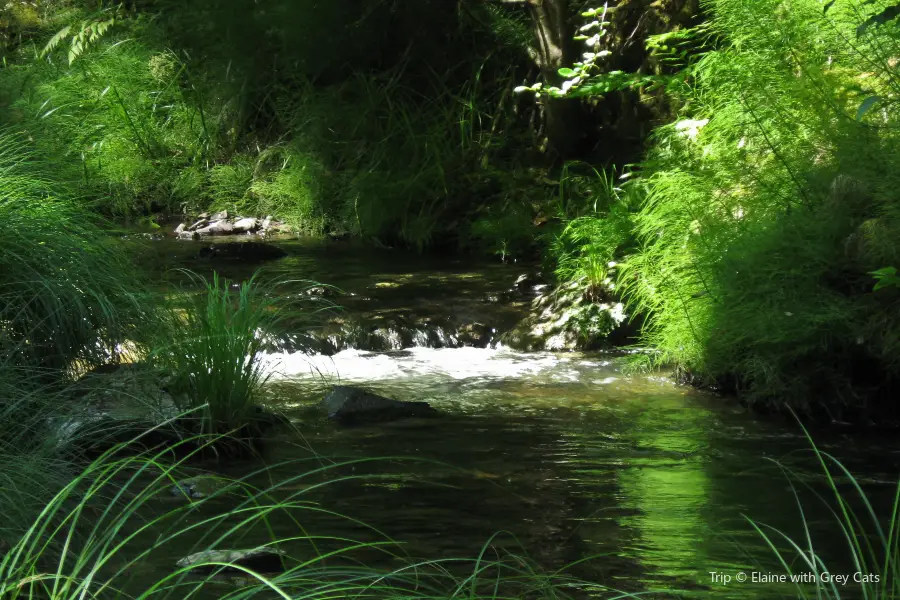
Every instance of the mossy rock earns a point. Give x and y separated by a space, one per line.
566 319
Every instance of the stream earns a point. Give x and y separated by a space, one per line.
564 455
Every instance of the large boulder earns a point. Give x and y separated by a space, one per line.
245 225
222 227
347 405
118 404
568 318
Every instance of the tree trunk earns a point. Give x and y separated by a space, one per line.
554 50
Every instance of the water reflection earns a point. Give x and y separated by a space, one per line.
576 459
566 453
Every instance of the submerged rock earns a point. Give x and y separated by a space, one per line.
245 251
263 559
347 404
198 487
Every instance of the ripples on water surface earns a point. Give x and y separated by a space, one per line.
564 452
572 457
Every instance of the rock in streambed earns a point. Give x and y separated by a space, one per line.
348 405
263 559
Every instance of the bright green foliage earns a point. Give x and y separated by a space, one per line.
887 277
82 36
770 204
359 120
597 231
213 350
65 294
288 183
119 122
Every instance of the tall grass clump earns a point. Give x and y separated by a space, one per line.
770 203
66 295
68 299
213 350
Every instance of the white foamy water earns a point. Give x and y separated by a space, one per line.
442 363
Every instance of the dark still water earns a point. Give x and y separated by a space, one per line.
561 456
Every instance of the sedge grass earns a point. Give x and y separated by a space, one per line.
214 351
871 540
91 537
66 294
213 345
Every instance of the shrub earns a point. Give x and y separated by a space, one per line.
770 203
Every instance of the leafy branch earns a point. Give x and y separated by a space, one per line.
586 78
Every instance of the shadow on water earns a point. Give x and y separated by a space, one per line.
566 454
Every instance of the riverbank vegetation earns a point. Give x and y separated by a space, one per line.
747 235
725 169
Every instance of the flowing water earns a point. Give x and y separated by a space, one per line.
564 453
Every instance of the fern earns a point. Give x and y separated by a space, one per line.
81 38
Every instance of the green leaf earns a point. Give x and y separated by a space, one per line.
887 277
567 72
866 105
828 5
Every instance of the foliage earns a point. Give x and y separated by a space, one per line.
886 277
213 349
66 295
770 205
183 106
586 78
597 232
88 33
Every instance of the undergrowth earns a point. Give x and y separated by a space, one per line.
767 209
171 108
770 203
66 294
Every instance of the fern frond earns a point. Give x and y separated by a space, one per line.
56 40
